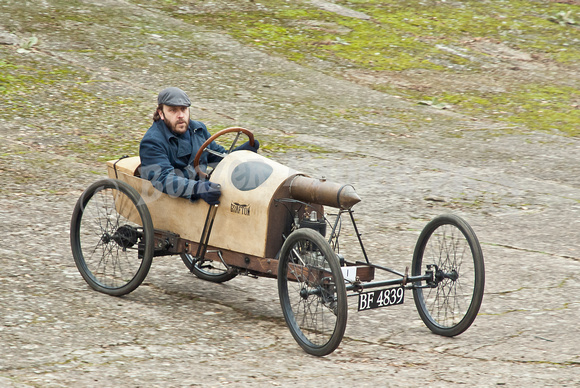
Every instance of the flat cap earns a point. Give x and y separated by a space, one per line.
173 97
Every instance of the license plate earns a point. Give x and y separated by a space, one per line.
381 298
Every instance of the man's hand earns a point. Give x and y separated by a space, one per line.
208 191
248 147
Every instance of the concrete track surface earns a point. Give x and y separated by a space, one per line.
519 191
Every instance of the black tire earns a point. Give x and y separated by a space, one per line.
112 251
212 271
451 307
312 292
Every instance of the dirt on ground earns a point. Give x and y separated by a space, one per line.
85 93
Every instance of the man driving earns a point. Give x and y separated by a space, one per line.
168 149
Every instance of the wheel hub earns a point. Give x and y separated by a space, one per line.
126 236
440 274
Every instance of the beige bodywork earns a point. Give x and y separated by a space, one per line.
247 221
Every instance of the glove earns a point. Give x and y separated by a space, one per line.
248 147
208 191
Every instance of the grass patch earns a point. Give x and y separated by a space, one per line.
277 144
399 35
538 107
432 35
68 108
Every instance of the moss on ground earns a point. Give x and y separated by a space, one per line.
83 116
410 35
538 107
67 104
399 35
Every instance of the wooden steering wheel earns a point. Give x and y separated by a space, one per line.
202 175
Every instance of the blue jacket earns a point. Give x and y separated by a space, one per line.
167 159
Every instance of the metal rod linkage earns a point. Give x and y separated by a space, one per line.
392 282
350 212
333 233
381 267
204 240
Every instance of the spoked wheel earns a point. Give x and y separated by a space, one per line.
214 271
449 247
111 237
312 292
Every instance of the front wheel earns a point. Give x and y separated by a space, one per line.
111 237
312 292
449 248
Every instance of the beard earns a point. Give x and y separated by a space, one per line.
178 127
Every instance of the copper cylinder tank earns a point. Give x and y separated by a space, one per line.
323 192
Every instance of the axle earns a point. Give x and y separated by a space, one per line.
428 277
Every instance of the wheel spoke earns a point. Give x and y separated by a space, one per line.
108 220
449 244
312 292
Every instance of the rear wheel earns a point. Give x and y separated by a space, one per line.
213 271
449 247
111 237
312 292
